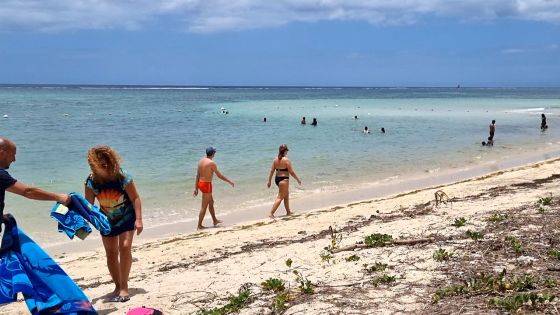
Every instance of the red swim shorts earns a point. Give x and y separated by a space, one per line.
205 187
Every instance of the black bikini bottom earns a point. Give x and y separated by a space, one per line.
278 179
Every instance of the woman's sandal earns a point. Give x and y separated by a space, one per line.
119 298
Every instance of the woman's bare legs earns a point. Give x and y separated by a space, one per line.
283 194
118 250
111 244
125 262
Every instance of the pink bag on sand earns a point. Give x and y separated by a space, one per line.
144 311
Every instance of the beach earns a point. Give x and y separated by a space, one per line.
286 157
199 271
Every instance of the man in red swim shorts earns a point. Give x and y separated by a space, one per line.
205 171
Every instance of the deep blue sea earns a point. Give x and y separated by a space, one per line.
161 132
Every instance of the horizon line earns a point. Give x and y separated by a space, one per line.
458 86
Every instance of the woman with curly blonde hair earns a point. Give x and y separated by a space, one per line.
116 194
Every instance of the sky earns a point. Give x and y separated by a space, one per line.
494 43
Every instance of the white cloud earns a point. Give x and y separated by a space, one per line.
207 16
510 51
548 48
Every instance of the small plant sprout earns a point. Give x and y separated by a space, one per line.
515 244
326 256
280 303
378 240
553 253
289 262
273 284
336 239
236 302
375 267
441 254
497 217
550 283
384 279
353 258
545 201
305 284
459 222
474 235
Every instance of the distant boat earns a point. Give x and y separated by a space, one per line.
458 86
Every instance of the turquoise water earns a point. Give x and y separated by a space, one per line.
162 132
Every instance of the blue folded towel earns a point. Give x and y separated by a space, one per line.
26 268
72 218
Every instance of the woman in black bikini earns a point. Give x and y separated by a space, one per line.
283 168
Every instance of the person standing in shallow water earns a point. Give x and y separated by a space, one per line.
544 126
492 130
314 122
204 173
283 167
303 121
118 199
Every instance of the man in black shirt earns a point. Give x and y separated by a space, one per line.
7 182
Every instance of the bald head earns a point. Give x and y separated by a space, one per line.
7 152
6 144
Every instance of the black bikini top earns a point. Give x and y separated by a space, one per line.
282 169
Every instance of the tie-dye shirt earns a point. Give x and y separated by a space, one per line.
115 202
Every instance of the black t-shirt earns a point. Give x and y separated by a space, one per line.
6 180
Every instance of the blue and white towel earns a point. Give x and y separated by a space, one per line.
73 219
26 268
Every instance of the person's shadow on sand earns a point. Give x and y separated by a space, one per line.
107 297
106 311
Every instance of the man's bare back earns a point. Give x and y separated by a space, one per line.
206 168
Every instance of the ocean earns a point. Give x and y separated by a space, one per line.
161 133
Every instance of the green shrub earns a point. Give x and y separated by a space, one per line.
497 217
474 235
352 258
280 302
459 222
515 245
441 254
554 253
545 201
326 256
236 302
375 267
514 302
305 285
384 279
273 284
378 240
550 283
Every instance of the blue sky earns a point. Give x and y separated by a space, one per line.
283 42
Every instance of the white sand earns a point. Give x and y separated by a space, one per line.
182 273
